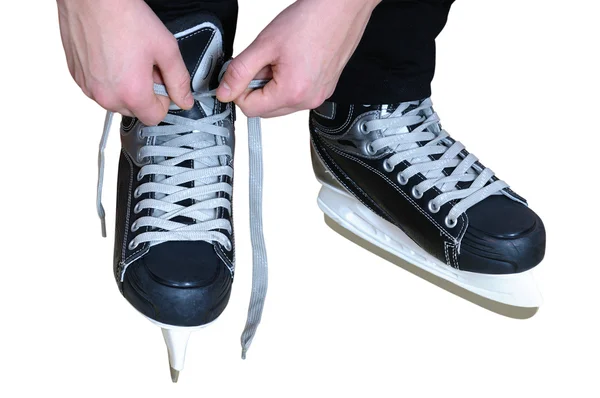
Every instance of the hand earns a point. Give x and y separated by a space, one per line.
304 49
116 50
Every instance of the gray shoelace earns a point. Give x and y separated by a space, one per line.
403 142
187 139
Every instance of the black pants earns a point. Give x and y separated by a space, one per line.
394 62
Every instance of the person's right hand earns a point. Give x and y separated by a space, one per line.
116 50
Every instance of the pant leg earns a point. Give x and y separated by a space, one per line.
395 60
225 10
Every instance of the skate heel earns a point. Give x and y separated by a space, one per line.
176 340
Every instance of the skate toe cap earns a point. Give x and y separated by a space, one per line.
503 237
175 289
183 264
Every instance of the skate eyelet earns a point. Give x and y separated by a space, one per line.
387 166
139 175
137 208
370 150
363 128
139 157
140 134
416 193
433 208
402 180
132 245
134 226
136 193
228 246
450 223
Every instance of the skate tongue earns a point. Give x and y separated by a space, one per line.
201 46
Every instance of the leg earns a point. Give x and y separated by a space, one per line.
395 60
226 12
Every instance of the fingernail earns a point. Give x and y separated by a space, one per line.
225 89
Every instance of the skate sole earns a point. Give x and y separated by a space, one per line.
514 295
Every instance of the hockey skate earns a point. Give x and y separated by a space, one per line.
396 183
174 241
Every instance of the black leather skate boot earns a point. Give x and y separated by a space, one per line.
393 177
174 245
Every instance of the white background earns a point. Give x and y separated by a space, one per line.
517 82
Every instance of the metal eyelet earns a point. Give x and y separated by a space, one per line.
433 208
137 208
139 175
140 134
134 226
363 128
402 180
370 150
416 194
387 166
132 245
136 193
139 157
450 223
228 246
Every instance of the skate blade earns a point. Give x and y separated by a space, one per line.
176 339
350 220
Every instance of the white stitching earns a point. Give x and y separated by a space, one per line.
346 186
446 253
205 48
396 188
128 207
342 127
331 117
127 219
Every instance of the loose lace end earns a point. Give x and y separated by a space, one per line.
103 226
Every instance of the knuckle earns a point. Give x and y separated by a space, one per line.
248 111
299 94
318 99
183 82
130 92
315 102
86 91
237 69
104 98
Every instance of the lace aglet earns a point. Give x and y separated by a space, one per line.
244 350
103 226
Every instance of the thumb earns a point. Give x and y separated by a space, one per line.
243 69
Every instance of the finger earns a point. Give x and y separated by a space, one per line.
157 78
140 99
243 69
125 112
175 75
279 112
263 101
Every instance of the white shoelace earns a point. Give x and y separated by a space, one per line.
404 144
183 139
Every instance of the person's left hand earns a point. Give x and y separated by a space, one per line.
303 50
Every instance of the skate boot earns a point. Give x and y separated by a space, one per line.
396 182
174 241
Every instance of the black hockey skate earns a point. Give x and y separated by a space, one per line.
174 242
394 178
